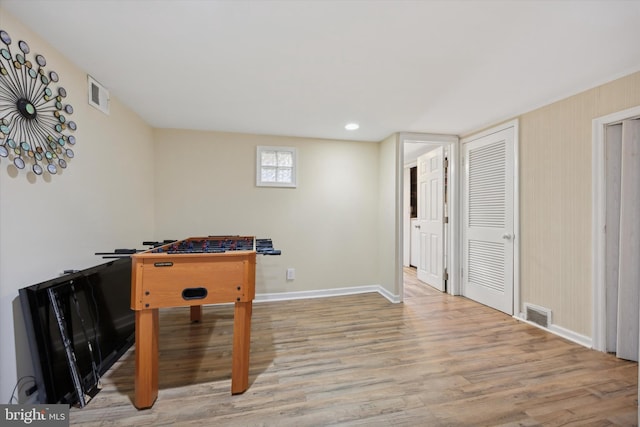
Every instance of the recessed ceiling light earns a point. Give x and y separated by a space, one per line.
352 126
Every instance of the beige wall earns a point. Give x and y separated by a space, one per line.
326 227
390 218
103 200
555 200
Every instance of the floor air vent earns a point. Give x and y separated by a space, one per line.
538 315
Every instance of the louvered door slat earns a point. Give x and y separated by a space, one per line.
486 264
487 186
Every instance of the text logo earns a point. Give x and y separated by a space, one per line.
34 415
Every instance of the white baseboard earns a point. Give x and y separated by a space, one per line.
568 334
323 293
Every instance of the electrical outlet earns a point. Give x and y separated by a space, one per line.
291 273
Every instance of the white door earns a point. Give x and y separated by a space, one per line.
415 243
488 219
430 217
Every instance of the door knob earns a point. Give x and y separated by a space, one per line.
417 226
506 236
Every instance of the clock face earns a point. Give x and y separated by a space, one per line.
35 129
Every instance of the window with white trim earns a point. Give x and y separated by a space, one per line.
276 167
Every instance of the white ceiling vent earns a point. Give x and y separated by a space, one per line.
98 95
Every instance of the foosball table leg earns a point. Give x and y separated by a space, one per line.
196 313
241 343
146 375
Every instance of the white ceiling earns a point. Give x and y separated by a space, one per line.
306 68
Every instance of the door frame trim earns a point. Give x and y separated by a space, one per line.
515 124
598 204
453 239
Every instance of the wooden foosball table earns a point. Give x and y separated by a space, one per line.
191 273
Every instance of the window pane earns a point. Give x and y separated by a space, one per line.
276 166
268 174
284 175
285 158
268 158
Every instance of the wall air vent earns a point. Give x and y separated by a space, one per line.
538 315
98 95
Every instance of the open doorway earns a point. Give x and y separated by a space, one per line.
428 209
602 312
432 254
616 138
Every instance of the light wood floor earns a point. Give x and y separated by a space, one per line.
434 360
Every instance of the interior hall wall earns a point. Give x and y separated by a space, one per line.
326 228
390 215
556 197
48 224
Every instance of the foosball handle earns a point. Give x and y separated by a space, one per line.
271 252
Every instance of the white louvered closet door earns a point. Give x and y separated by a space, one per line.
488 226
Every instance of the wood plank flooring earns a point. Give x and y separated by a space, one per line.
434 360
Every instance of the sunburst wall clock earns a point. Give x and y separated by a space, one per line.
34 126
